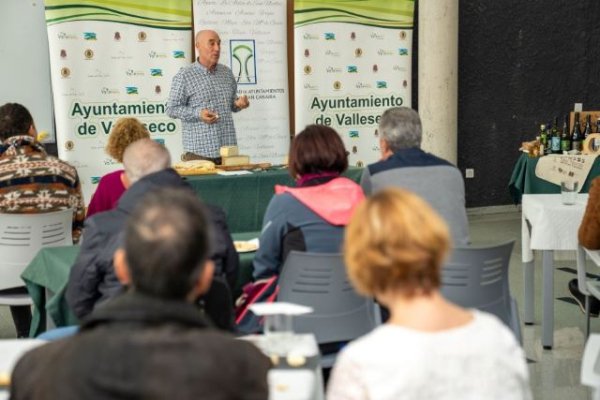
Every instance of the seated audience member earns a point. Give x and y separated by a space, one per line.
312 216
92 279
589 237
395 246
406 166
151 342
110 188
32 182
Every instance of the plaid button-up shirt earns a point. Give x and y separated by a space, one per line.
195 88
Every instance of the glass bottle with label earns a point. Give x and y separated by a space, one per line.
587 130
555 138
565 137
576 135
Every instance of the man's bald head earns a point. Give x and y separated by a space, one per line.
144 157
208 44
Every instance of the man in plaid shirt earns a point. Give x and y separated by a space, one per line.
204 95
31 182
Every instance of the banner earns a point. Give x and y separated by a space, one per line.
352 62
111 60
254 45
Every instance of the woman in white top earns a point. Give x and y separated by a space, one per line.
430 348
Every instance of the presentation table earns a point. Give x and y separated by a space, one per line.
245 198
524 181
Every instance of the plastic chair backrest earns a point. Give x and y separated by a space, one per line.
320 281
477 277
23 235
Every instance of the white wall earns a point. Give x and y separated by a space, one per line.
24 61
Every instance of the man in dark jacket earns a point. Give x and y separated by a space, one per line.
92 279
150 342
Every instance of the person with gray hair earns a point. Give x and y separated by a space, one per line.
403 164
92 279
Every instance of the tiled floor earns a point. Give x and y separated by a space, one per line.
554 373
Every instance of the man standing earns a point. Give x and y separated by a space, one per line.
92 279
31 182
405 165
151 342
204 95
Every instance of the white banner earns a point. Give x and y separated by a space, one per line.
110 61
254 45
352 62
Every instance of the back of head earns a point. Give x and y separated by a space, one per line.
124 132
15 120
167 243
395 241
144 157
400 127
318 148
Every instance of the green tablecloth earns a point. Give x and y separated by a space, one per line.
48 274
524 181
245 197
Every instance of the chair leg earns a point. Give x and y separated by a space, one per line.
587 316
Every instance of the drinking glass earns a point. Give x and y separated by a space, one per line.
568 192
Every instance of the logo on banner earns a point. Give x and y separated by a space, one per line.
384 52
363 85
131 72
157 89
375 68
353 134
403 51
352 69
360 164
131 89
354 150
333 70
377 36
402 35
398 68
306 53
159 141
65 72
142 36
309 86
117 36
353 36
329 36
63 53
376 133
310 36
98 74
95 180
65 36
332 53
106 90
156 72
381 85
243 61
337 85
358 52
69 145
154 54
307 70
89 54
178 54
89 35
404 84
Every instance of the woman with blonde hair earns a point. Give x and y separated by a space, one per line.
395 246
110 188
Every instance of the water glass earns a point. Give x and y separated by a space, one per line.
568 192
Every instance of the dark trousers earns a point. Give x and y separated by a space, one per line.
21 315
218 304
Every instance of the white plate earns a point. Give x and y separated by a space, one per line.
246 246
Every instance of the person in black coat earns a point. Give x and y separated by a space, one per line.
92 280
151 342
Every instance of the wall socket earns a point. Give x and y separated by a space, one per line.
470 173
